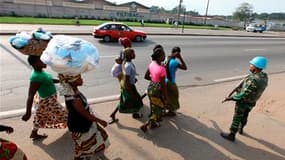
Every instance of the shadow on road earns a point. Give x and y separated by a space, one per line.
145 43
272 146
61 148
192 139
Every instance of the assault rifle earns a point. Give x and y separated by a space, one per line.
235 89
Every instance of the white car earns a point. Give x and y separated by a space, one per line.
255 28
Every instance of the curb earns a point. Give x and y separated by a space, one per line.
19 112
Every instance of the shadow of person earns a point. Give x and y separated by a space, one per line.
176 135
245 151
61 148
145 110
145 43
193 139
269 145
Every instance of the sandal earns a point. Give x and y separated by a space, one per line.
143 128
170 114
38 137
137 115
154 125
111 121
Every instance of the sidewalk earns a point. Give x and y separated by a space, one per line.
11 29
192 134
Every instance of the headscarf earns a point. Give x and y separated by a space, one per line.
65 88
125 41
68 78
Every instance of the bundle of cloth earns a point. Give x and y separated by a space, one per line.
33 43
70 55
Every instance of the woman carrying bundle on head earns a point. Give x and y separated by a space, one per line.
130 99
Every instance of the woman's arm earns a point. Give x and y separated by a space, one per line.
8 129
147 75
3 128
183 64
34 86
78 106
55 80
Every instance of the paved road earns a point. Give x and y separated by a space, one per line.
87 30
210 60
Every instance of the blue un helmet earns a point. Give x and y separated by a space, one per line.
259 62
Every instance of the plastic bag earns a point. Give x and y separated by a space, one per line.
69 55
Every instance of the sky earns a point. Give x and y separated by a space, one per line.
216 7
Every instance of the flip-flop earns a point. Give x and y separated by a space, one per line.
143 128
111 121
137 115
39 137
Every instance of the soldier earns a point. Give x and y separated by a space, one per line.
246 95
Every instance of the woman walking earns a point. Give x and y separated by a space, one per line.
89 138
117 67
174 61
156 73
130 99
49 112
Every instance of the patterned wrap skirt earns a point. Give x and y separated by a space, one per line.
89 143
172 96
10 151
50 113
130 103
156 100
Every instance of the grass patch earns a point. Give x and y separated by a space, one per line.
66 21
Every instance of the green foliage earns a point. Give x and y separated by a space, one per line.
243 12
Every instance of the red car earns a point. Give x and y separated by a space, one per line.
113 31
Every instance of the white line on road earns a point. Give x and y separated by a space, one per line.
111 56
230 78
254 49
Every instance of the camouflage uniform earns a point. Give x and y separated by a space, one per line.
246 96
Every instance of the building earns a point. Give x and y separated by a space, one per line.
99 9
96 9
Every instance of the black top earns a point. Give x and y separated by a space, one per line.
75 121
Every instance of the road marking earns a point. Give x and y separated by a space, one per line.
229 78
254 49
111 56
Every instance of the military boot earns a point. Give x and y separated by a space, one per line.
229 136
240 131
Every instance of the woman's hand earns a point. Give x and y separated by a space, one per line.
26 116
9 130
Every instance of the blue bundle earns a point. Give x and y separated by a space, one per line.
19 40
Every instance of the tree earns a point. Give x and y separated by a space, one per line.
175 9
193 13
157 9
244 13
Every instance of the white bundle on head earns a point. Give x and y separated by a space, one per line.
69 55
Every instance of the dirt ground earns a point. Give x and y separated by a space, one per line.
272 103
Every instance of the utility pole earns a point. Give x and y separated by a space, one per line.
205 20
179 10
184 14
